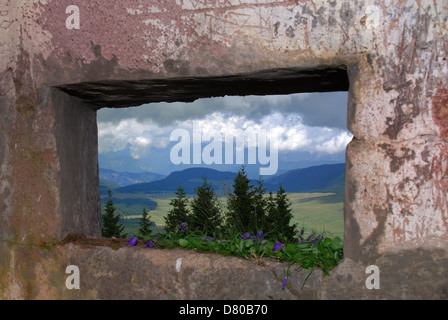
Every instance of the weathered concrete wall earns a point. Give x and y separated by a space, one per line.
410 271
144 50
106 273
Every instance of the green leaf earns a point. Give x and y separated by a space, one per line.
337 243
241 245
183 243
306 278
290 248
249 243
270 245
327 242
212 244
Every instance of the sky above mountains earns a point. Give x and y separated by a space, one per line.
306 128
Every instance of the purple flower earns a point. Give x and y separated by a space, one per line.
284 283
183 226
207 238
318 238
278 246
132 242
245 236
258 237
301 231
150 244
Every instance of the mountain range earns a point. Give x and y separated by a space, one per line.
322 178
128 178
158 161
189 179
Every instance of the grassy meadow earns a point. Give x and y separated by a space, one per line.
319 212
314 211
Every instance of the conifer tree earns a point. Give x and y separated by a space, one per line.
240 203
111 227
179 212
283 215
271 215
144 230
206 213
259 215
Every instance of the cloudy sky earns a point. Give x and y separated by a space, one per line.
306 126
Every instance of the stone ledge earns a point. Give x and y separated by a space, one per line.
119 272
109 273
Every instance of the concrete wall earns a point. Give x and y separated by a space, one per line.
390 55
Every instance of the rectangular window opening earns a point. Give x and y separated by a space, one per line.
296 141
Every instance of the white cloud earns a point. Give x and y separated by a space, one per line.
334 143
288 130
139 136
316 109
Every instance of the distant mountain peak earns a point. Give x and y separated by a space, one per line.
128 178
321 178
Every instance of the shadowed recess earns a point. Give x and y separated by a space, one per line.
121 94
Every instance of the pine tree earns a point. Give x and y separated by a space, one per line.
111 227
179 212
144 230
240 204
206 213
283 215
271 215
259 218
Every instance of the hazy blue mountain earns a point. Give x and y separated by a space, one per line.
128 178
106 185
158 160
323 178
189 179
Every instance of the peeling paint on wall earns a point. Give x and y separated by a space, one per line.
395 55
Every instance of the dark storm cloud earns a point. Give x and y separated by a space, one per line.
316 109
